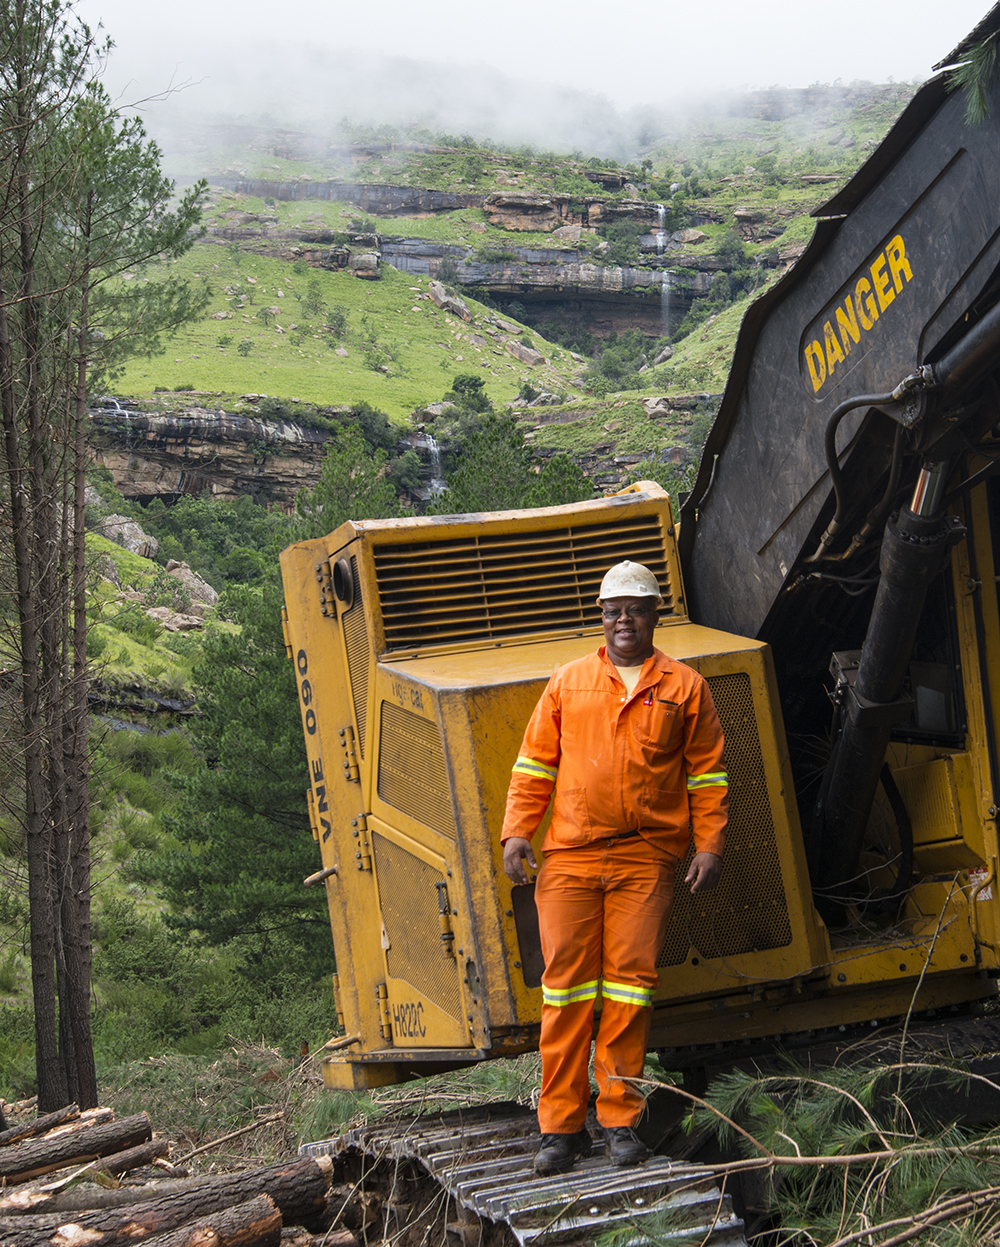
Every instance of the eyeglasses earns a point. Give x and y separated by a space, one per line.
633 612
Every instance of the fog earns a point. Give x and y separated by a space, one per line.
557 75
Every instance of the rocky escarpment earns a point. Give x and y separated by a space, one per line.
165 455
380 199
570 283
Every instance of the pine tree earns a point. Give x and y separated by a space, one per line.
82 199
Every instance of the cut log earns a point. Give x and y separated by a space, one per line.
256 1223
133 1157
32 1129
73 1144
253 1223
298 1188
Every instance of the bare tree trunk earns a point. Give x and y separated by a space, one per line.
76 918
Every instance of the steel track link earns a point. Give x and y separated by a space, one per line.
483 1158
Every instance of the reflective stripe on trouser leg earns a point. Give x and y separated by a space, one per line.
639 890
600 909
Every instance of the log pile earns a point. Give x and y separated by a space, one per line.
87 1179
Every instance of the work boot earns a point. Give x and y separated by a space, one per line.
623 1146
559 1151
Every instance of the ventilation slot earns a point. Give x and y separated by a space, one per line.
358 656
411 772
474 588
747 912
408 899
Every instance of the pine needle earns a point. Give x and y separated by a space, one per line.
976 77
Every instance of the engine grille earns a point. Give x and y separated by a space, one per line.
412 776
748 910
408 899
485 586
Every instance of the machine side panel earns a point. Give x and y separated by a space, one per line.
338 801
900 271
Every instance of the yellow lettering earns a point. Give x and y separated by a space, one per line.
899 265
865 303
816 363
834 355
848 325
883 286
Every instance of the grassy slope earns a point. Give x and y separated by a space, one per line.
430 346
718 153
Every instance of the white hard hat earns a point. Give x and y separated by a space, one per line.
629 580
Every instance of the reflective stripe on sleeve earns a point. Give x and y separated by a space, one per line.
528 766
559 997
627 993
711 779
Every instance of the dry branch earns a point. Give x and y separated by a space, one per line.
233 1134
74 1144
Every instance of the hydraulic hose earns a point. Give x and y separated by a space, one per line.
833 464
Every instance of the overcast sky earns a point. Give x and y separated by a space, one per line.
253 55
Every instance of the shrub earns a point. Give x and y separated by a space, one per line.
245 347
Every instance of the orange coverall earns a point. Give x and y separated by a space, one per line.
631 775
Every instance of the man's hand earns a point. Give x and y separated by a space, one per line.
516 851
704 873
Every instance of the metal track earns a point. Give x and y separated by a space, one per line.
483 1158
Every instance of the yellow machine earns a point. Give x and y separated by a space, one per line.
420 648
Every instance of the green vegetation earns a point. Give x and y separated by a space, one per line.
394 347
205 937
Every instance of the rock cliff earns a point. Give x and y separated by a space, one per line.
190 451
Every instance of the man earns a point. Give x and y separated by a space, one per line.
630 743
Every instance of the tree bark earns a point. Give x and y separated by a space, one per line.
257 1223
122 1227
299 1187
74 1146
133 1157
32 1129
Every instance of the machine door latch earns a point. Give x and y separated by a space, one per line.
350 760
444 920
362 847
385 1017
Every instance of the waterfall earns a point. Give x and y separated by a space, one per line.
665 304
437 482
661 242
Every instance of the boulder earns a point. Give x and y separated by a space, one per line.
107 570
199 590
364 262
127 533
689 237
546 400
449 302
507 326
568 233
656 408
526 354
173 621
664 355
